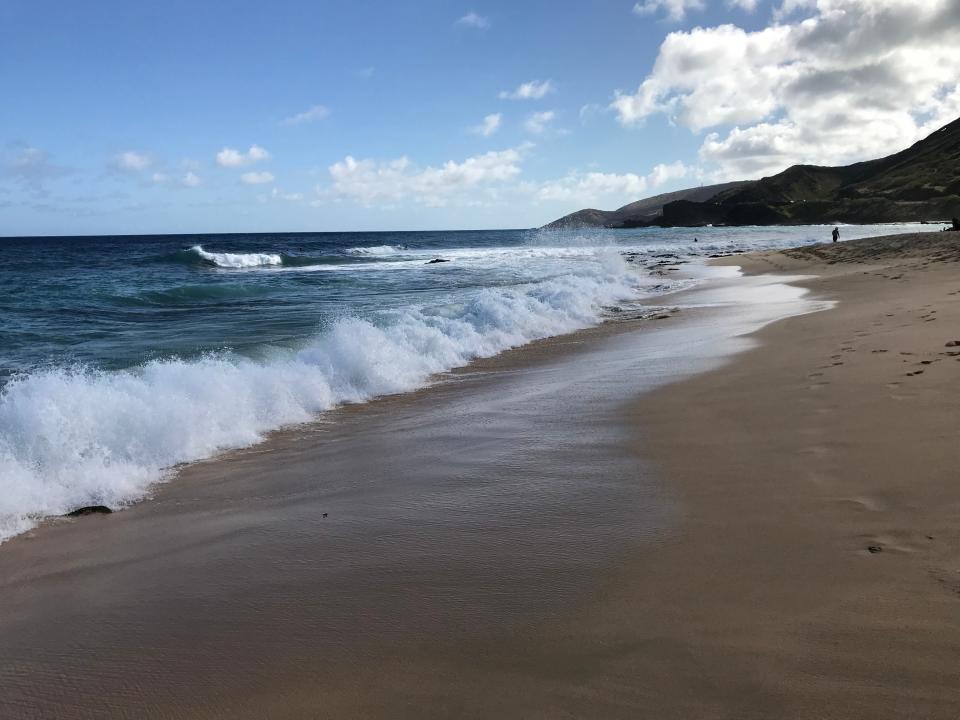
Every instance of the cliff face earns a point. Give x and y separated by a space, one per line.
919 183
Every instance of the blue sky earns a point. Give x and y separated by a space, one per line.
140 117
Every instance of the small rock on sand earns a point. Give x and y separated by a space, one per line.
90 510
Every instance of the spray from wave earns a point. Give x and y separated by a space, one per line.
77 436
230 260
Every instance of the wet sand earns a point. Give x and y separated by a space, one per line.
379 563
556 533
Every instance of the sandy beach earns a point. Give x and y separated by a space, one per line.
775 537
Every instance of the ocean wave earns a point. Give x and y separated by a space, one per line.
198 256
77 436
376 250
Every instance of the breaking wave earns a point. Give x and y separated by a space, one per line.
376 250
75 436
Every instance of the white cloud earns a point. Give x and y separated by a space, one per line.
538 121
190 180
533 90
597 187
317 112
131 161
675 10
472 20
662 174
371 182
228 157
490 124
745 5
841 81
256 178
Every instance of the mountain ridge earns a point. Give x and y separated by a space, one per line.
921 182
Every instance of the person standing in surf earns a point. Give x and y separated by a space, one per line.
836 234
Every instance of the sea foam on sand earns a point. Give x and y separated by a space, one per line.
75 436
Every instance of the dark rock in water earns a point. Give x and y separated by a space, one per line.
436 260
874 549
90 510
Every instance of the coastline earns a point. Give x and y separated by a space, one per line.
819 571
745 590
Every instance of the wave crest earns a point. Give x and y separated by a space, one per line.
76 436
376 250
231 260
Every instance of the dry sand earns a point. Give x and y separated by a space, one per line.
837 435
818 571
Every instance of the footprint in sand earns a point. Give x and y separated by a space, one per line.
915 372
895 541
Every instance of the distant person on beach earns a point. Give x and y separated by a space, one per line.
836 234
956 223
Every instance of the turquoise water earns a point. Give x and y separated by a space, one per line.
121 357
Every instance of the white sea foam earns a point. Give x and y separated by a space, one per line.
73 436
376 250
237 260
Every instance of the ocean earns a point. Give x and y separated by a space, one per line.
124 357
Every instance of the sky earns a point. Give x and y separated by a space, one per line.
169 116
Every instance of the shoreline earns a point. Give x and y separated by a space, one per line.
455 515
716 564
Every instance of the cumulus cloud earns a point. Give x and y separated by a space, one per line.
830 82
594 187
539 121
674 10
131 161
533 90
256 178
229 157
370 182
472 20
317 112
490 124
